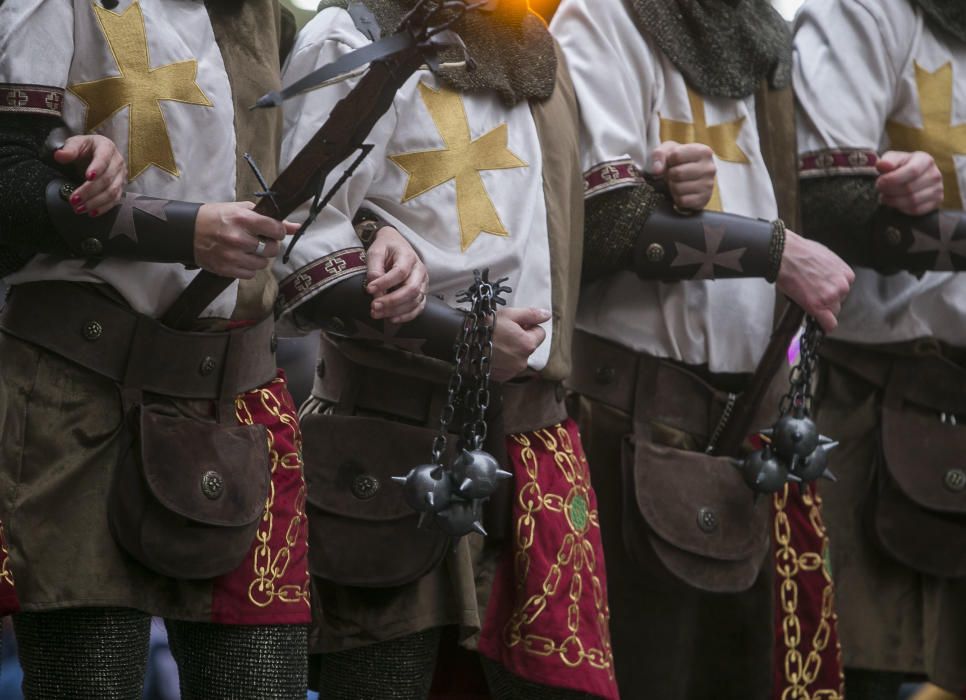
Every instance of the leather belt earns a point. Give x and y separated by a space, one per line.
80 324
646 388
364 389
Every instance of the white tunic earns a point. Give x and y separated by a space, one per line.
459 175
631 99
860 70
37 47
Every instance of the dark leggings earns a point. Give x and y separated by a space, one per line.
402 669
101 654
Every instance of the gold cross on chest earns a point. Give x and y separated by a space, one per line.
463 159
938 136
141 89
720 138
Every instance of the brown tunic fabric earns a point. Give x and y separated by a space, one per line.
891 618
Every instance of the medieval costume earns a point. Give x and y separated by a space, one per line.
477 170
872 77
659 366
131 450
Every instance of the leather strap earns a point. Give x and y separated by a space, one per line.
355 388
80 324
139 228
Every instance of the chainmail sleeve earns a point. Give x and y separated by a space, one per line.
838 212
613 221
26 227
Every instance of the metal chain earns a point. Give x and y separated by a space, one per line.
800 378
461 351
469 385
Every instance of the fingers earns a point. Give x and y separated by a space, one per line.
915 169
693 194
414 313
261 226
536 336
690 175
105 192
827 320
407 302
105 174
74 148
527 317
102 152
693 171
406 298
396 254
918 203
660 156
376 269
690 153
890 160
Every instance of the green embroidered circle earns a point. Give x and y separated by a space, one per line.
578 511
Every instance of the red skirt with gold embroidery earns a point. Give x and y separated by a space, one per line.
547 618
271 586
9 603
808 663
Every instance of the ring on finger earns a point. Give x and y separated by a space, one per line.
260 248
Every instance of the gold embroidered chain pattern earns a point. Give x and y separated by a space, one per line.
802 671
6 575
271 566
576 557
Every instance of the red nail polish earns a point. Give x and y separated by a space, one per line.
93 212
91 175
80 210
75 199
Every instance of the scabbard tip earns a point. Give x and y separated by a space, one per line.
272 99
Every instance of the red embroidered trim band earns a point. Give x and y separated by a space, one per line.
607 176
32 99
319 274
837 162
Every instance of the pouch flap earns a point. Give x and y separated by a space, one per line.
698 503
206 472
929 381
926 458
350 462
927 541
361 530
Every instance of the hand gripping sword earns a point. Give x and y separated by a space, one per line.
392 60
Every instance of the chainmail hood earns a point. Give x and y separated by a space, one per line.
946 15
724 48
513 50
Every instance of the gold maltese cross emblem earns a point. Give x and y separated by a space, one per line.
141 89
463 159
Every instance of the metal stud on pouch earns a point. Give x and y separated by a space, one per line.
451 496
794 450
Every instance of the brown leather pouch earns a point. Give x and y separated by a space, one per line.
918 509
187 497
688 517
363 533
